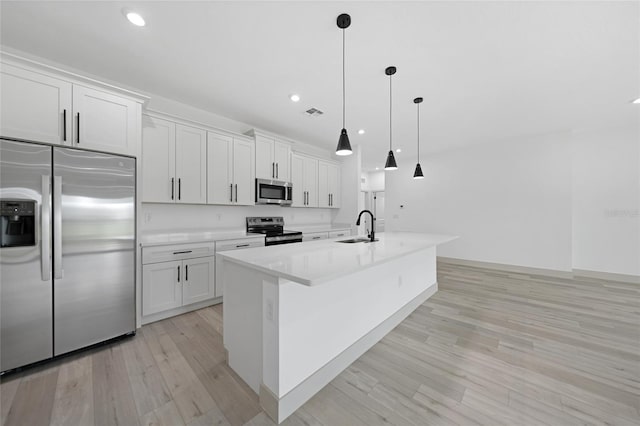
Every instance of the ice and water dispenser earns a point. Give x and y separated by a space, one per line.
17 221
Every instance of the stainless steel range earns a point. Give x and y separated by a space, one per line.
273 229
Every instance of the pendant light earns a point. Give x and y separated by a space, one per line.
344 147
418 173
391 159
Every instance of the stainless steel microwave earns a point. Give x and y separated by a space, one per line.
273 192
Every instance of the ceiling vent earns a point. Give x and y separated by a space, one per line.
314 112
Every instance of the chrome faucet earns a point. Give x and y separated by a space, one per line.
372 235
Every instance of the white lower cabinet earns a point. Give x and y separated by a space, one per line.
341 233
176 276
314 236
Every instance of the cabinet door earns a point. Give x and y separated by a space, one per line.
104 121
334 185
324 197
191 165
243 165
265 164
198 279
311 181
158 160
219 169
161 287
297 180
33 106
281 156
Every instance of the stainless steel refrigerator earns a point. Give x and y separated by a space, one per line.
67 250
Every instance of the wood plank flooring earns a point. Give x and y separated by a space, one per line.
490 348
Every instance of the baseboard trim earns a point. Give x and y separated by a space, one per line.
609 276
281 408
506 267
179 311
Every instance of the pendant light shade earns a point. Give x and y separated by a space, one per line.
417 174
344 147
390 164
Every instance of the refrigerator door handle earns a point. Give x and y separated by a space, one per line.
45 229
57 226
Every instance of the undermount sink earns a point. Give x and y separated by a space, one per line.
355 240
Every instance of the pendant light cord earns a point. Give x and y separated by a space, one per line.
390 108
343 81
418 133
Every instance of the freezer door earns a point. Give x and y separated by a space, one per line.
25 272
94 247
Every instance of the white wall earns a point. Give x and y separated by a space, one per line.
606 200
510 201
168 217
350 201
373 181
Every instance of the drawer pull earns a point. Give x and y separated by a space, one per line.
315 238
182 252
242 245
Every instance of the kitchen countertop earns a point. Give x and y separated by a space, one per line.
315 262
192 236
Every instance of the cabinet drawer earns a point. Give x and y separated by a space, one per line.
239 244
343 233
314 236
176 252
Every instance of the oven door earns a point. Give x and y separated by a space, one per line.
273 192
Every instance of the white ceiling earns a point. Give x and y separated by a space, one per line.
487 70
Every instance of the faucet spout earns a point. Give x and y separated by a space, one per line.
372 235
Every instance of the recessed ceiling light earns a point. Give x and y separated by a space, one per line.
361 132
294 98
398 150
135 19
637 101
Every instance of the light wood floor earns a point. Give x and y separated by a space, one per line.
491 347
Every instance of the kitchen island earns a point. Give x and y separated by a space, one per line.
297 315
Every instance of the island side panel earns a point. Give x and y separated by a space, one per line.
317 323
242 320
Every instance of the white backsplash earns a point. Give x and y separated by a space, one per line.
179 217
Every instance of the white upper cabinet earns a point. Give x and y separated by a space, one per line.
158 160
191 165
243 165
37 105
304 178
328 185
34 106
230 170
174 162
272 158
104 122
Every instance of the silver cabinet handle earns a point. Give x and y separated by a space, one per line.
315 238
231 192
57 226
173 187
236 192
273 170
179 188
78 123
178 274
64 125
242 245
186 272
277 171
45 234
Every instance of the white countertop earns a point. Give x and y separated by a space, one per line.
184 237
317 261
